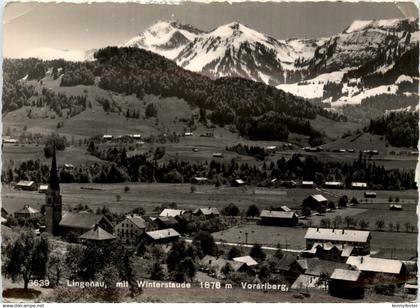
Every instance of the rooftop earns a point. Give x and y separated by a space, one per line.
97 234
25 183
277 214
137 220
27 210
344 274
341 235
208 211
161 234
171 212
80 220
319 198
248 260
369 264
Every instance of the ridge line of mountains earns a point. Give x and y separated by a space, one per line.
367 59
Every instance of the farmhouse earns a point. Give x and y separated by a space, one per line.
68 166
43 188
188 134
107 137
217 264
171 213
26 185
370 194
358 185
248 260
336 185
162 236
346 284
357 239
82 222
27 212
97 235
131 229
315 202
207 212
308 184
374 269
218 155
279 218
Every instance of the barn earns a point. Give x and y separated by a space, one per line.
26 185
315 202
279 218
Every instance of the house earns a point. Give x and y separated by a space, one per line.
26 185
107 137
329 251
207 212
315 202
171 213
218 155
43 188
370 194
308 184
131 229
162 236
216 264
238 183
346 284
360 240
68 166
167 222
82 222
376 270
395 207
97 235
199 180
359 185
27 212
279 218
314 267
188 134
248 260
334 185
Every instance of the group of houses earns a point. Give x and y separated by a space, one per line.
339 260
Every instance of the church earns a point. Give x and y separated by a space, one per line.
77 222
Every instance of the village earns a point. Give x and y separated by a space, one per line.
326 252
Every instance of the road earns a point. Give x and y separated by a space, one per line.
249 246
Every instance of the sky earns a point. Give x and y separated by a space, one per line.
29 26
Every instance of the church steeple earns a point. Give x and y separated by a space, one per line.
54 183
53 205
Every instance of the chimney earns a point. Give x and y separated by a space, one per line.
317 229
209 261
95 227
361 259
333 230
342 232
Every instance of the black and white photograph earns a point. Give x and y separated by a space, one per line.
209 152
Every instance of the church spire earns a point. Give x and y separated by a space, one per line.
54 183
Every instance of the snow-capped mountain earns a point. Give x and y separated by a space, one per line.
166 38
229 50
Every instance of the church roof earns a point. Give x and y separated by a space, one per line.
80 220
